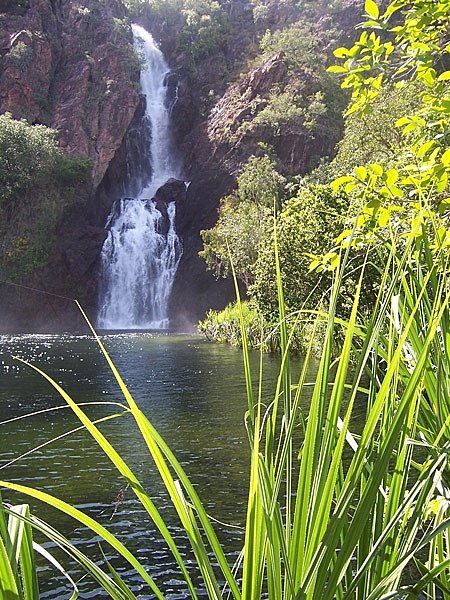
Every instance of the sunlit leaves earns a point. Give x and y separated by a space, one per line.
414 50
446 158
372 9
340 181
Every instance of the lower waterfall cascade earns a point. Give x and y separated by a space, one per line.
141 253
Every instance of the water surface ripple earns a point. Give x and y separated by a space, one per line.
191 390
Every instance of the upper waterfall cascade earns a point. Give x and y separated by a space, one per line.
141 253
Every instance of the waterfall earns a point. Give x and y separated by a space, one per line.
140 256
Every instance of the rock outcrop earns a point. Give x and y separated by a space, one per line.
239 104
71 66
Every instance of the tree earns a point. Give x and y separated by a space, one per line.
36 183
241 227
244 220
307 224
259 182
28 156
206 27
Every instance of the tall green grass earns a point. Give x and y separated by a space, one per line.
332 514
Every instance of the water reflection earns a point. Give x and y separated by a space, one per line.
192 391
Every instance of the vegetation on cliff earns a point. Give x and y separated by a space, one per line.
203 25
397 127
37 181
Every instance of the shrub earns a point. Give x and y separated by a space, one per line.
225 325
307 225
37 181
21 56
206 28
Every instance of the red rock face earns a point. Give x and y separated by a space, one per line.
70 66
243 100
28 61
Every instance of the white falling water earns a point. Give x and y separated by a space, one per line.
141 253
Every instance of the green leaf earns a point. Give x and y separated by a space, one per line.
446 158
411 127
376 169
374 204
340 181
344 235
402 121
428 76
361 173
396 191
442 182
445 76
26 552
391 176
340 52
371 9
383 217
424 148
8 587
444 206
337 69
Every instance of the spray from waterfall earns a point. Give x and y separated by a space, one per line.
142 251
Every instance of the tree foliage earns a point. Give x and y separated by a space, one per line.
206 27
392 167
415 47
307 224
203 24
30 157
241 226
36 183
300 46
305 103
225 325
167 11
244 220
371 136
259 182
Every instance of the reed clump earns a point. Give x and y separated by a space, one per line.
319 523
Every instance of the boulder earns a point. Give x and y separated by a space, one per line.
173 190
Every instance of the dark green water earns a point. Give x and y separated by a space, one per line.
192 391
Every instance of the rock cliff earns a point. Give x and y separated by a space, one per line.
70 65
